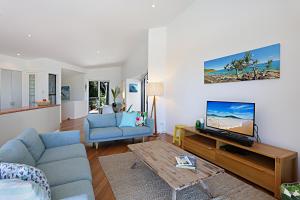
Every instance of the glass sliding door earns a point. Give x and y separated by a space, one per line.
52 89
31 90
98 95
144 101
93 96
104 93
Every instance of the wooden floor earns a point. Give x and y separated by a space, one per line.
101 186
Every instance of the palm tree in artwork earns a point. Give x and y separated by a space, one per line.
248 58
250 61
255 69
236 65
268 66
233 66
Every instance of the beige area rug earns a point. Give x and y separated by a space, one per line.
141 183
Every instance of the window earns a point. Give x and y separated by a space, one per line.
31 89
52 89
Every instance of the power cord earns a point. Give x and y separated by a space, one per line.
258 140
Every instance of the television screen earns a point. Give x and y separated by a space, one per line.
231 116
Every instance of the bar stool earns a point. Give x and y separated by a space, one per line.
177 135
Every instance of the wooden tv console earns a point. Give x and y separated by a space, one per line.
262 164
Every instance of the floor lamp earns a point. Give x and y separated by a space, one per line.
154 89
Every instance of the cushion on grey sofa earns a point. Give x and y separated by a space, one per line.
101 121
66 171
73 189
63 153
119 118
14 151
132 131
104 133
33 142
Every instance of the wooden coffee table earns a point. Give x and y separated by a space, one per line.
159 156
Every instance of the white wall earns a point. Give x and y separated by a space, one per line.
73 109
76 107
133 98
41 68
43 120
157 39
111 74
211 29
137 63
76 82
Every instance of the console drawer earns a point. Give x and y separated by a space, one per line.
257 175
199 149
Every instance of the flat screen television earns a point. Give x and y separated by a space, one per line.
234 117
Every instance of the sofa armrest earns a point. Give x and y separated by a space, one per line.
56 139
78 197
86 128
150 123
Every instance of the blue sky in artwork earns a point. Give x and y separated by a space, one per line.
222 109
262 55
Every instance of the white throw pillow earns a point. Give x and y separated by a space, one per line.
25 173
16 189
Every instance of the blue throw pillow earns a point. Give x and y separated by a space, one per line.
128 119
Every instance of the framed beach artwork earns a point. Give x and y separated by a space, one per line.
133 88
65 93
257 64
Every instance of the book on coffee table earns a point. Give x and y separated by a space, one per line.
186 162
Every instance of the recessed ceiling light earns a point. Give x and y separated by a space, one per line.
98 51
153 5
29 35
18 54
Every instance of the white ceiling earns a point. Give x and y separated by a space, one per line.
73 31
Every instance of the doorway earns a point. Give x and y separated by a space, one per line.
98 95
144 97
52 89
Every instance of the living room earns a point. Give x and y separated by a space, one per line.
59 62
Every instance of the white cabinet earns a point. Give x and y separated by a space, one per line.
11 89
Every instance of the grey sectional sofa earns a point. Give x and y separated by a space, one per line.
105 127
59 155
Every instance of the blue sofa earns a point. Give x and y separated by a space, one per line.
105 127
59 155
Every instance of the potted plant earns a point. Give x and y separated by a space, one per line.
115 93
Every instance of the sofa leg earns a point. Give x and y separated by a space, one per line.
97 145
143 139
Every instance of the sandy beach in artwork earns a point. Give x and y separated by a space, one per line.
245 77
257 64
231 124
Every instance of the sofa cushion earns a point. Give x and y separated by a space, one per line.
119 118
128 119
33 142
104 133
73 189
102 120
132 131
66 171
63 153
14 151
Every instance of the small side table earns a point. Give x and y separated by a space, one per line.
177 135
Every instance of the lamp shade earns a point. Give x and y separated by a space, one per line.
155 89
